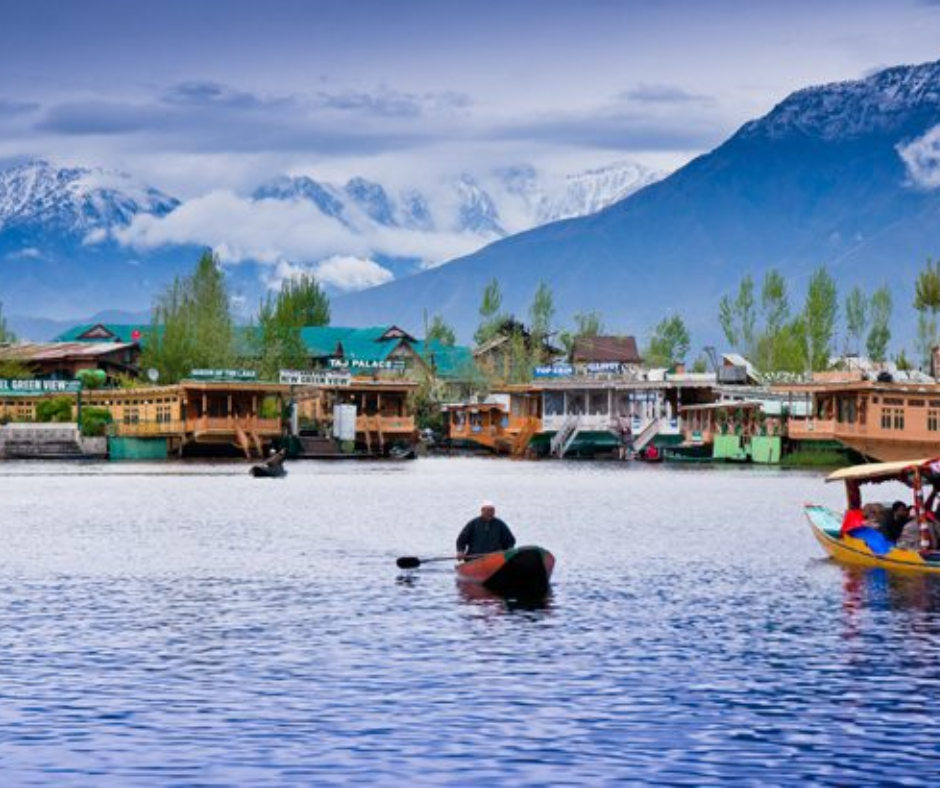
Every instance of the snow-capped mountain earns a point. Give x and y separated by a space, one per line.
70 238
467 203
846 174
593 190
75 200
884 103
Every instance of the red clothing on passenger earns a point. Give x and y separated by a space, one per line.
853 519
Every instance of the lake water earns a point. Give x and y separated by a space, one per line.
186 624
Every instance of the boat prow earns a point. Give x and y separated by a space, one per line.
865 548
268 471
520 571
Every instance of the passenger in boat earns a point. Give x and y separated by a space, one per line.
899 517
485 534
910 534
276 458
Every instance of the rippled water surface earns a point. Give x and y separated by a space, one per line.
188 624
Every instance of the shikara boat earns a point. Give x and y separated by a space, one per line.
268 471
851 539
520 571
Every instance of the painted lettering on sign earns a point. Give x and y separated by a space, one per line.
293 377
21 387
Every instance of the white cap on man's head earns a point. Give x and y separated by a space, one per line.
487 505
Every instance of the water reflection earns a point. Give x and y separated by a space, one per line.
476 594
880 589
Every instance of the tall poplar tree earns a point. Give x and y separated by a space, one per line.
879 335
818 321
192 324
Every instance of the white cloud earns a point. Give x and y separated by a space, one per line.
351 273
922 159
342 272
271 231
28 253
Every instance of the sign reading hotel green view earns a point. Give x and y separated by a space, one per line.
296 377
232 375
18 387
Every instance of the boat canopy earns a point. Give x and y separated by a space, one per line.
876 472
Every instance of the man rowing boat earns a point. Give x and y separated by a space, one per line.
485 534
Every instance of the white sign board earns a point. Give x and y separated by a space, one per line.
294 377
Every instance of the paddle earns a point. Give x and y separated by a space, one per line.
412 562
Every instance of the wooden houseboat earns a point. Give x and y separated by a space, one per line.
200 416
883 421
581 415
382 412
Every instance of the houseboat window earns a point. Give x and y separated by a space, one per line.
893 401
576 404
933 420
916 403
554 403
934 403
599 403
892 419
622 404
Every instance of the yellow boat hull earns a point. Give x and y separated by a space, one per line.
848 550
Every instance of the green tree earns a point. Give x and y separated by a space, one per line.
927 303
192 324
738 317
586 324
57 409
541 314
6 334
819 319
439 331
856 318
669 344
727 321
775 308
299 303
491 316
879 335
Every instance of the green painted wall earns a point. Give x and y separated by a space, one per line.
729 447
137 448
766 449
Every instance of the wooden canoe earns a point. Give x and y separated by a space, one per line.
519 571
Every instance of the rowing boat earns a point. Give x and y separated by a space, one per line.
863 543
519 571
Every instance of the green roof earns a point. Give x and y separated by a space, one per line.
363 344
107 332
451 362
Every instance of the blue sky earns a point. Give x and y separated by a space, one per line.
207 99
202 94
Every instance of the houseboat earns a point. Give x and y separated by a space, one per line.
880 420
581 415
345 416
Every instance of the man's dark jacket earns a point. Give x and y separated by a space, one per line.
485 536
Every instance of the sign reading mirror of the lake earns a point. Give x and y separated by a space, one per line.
227 375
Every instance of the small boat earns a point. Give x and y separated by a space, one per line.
268 471
850 539
519 571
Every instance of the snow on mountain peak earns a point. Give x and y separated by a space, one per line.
881 103
77 200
